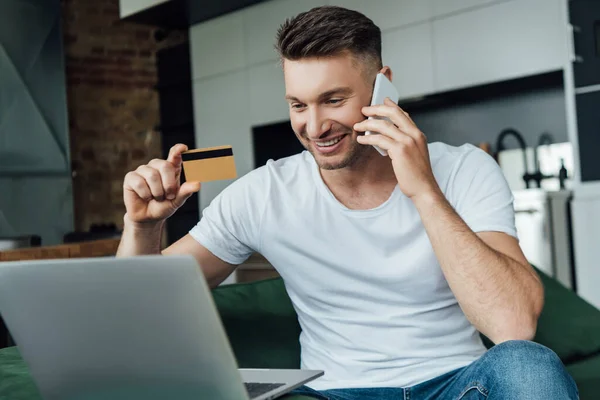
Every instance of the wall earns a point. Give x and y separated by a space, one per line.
530 113
35 179
113 106
238 83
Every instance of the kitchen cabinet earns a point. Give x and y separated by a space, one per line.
504 41
217 46
389 14
260 24
588 125
585 17
442 7
543 223
408 52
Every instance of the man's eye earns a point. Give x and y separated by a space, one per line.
297 106
334 101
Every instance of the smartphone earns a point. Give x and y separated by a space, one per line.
383 88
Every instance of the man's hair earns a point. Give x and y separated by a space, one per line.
330 31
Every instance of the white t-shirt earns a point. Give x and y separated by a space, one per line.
374 306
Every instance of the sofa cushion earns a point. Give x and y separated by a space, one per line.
261 324
15 381
568 325
587 376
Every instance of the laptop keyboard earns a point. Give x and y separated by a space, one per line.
256 389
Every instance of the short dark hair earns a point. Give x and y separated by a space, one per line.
329 31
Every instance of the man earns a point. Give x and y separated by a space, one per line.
394 264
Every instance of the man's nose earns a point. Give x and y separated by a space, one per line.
317 124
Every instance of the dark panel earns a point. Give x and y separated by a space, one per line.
585 16
274 141
202 10
179 14
477 94
588 120
172 15
174 65
177 124
182 222
176 107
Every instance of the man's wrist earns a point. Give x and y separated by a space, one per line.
430 198
149 227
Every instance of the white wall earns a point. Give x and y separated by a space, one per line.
129 7
238 83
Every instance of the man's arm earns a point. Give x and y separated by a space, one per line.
152 194
145 239
497 289
495 286
140 238
215 270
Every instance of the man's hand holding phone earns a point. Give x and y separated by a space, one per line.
405 144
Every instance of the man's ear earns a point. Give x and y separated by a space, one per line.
387 71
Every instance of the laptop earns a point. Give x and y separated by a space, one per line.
142 327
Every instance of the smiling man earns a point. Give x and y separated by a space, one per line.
394 264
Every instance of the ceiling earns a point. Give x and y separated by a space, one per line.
181 14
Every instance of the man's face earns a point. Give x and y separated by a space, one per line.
325 97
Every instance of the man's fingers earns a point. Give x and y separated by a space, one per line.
185 191
169 176
395 114
383 127
153 180
134 182
175 154
400 118
381 141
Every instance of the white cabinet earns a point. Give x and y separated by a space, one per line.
389 14
442 7
267 94
408 52
586 231
503 41
217 46
533 227
544 230
262 21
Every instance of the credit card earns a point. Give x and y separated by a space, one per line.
209 164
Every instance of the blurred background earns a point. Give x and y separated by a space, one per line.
89 90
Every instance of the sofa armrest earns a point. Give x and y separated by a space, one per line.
261 323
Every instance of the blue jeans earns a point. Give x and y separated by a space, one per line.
516 369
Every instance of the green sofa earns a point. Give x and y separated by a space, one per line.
263 331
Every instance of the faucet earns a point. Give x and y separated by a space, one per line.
500 146
537 176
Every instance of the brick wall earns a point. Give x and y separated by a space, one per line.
112 104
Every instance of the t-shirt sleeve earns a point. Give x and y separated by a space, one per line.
481 195
230 225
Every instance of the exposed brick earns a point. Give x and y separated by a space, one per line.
113 108
138 155
70 39
87 154
122 52
142 35
97 50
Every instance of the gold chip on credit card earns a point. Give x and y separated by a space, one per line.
210 164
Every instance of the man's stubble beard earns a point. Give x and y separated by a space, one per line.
355 153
